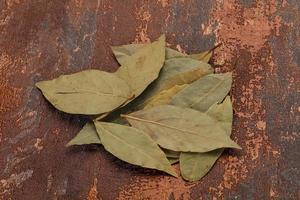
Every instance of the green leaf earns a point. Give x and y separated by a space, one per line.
204 92
133 146
194 166
143 67
87 135
88 92
181 129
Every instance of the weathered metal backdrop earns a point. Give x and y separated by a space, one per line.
41 39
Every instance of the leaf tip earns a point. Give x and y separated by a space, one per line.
69 144
162 38
172 173
38 84
238 147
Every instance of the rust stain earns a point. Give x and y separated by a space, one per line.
93 193
161 187
248 31
12 3
164 3
142 30
180 49
38 145
261 125
9 95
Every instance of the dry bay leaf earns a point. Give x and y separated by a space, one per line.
171 154
175 72
203 93
143 67
172 53
203 56
87 92
181 129
179 71
124 51
133 146
173 160
87 135
163 97
223 112
194 166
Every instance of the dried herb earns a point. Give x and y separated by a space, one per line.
171 154
181 129
143 67
133 146
193 130
124 51
88 92
203 56
173 160
87 135
179 71
164 97
194 166
210 89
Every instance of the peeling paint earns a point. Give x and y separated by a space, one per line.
93 193
164 3
37 144
156 187
15 180
142 30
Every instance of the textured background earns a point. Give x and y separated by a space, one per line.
41 39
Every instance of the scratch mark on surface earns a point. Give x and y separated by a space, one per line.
49 182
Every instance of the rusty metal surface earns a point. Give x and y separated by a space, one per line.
41 39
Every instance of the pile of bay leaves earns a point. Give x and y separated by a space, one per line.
159 108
